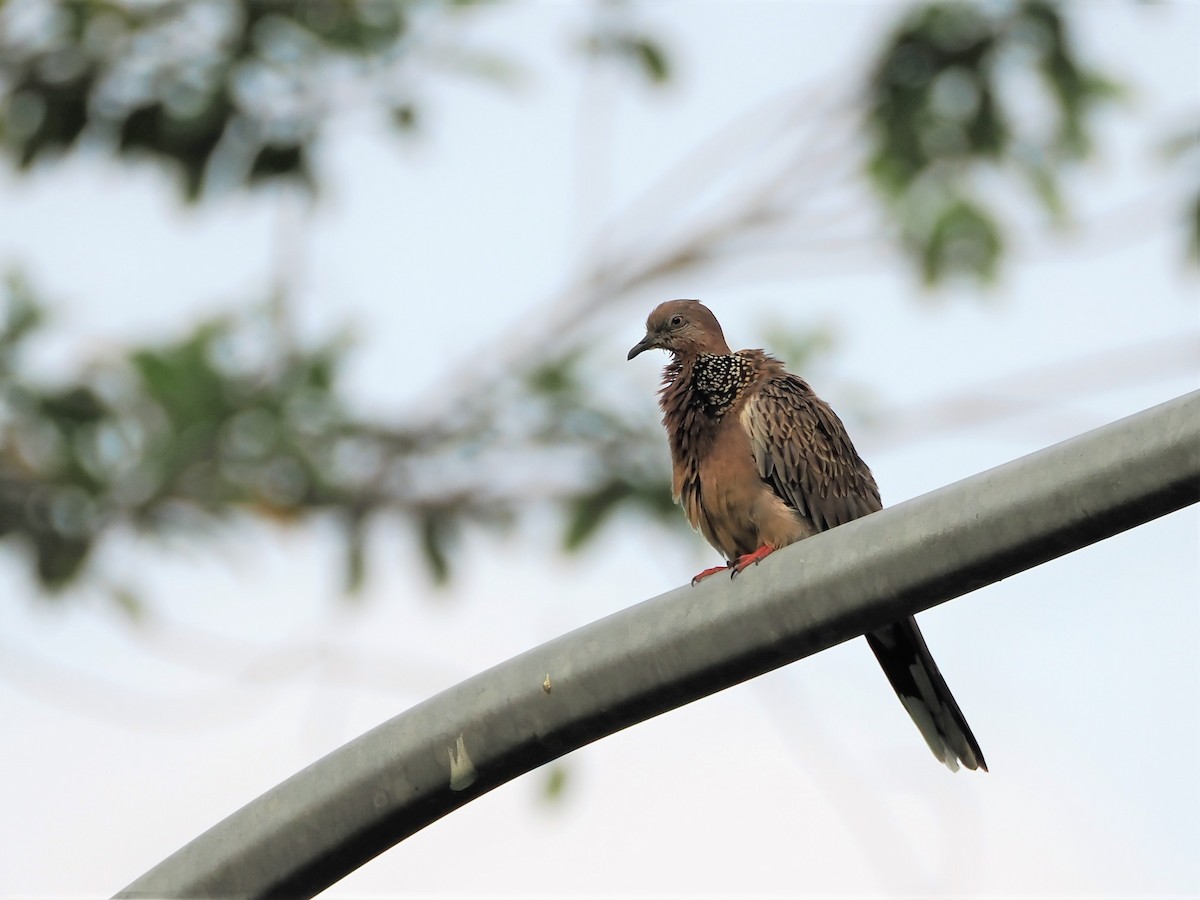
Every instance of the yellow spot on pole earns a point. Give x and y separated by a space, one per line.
462 770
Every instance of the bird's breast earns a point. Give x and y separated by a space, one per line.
727 493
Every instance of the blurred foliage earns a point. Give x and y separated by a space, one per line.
947 104
164 436
232 92
236 417
233 417
555 782
645 54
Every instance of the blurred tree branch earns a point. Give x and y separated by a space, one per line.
231 94
237 415
234 416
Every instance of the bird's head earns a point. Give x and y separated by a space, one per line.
684 327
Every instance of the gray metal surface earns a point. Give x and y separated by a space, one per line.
346 808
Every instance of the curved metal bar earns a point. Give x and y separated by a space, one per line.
346 808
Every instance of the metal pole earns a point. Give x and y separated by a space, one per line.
332 817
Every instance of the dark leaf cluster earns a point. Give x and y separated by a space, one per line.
236 418
946 104
165 438
224 92
227 93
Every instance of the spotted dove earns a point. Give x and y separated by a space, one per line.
759 462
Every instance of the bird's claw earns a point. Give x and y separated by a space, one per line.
702 575
744 561
737 566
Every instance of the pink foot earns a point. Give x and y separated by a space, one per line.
713 571
750 558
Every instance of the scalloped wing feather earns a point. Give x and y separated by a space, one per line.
803 452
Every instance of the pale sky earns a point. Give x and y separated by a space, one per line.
1079 678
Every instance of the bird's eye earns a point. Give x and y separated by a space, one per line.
676 321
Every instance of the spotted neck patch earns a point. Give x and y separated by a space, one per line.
717 380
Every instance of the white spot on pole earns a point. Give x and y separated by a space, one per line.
462 770
546 683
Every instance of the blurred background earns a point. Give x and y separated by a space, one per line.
314 401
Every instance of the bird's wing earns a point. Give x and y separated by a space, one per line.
803 452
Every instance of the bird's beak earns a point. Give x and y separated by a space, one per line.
649 342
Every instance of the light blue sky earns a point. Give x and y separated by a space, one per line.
1079 678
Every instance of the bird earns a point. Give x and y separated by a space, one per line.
759 461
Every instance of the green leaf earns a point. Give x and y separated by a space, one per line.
129 603
61 108
22 313
59 558
438 530
1045 186
653 59
356 554
183 380
555 782
404 116
965 241
654 498
73 407
587 512
281 161
646 54
557 378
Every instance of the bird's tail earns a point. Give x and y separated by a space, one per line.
906 661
